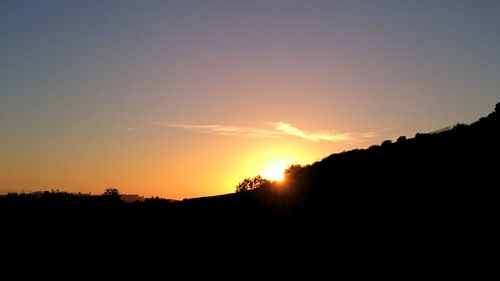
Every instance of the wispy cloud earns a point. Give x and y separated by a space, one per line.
368 135
225 130
277 130
127 129
288 129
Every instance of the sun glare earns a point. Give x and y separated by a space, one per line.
275 171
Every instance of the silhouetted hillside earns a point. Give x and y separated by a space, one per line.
418 207
437 166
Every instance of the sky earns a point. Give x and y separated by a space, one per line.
182 99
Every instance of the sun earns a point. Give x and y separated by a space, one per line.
275 171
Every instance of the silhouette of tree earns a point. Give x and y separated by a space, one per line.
292 169
401 139
251 183
460 126
111 192
386 143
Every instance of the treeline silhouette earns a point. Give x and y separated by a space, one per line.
416 207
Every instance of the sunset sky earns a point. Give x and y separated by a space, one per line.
185 98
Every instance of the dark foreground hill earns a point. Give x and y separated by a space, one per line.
420 207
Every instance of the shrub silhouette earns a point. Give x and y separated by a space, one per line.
292 169
111 192
251 183
386 143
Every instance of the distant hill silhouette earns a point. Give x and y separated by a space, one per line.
417 207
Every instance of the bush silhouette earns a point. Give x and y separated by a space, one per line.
292 169
386 143
401 139
251 183
111 192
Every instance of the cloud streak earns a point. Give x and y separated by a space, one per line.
276 130
288 129
224 130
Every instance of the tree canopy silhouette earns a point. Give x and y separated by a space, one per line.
292 169
111 192
252 183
